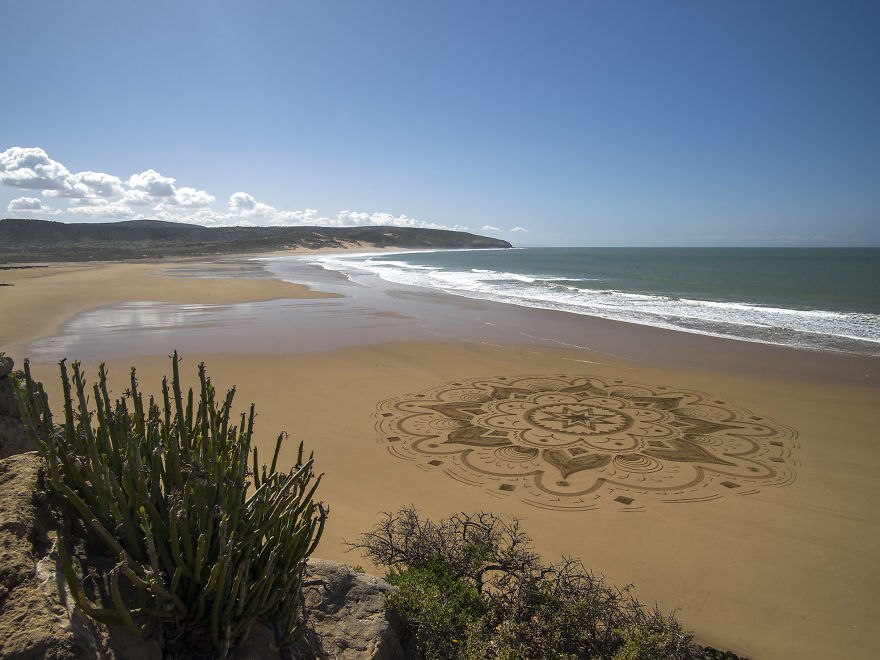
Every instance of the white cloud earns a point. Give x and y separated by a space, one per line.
152 183
98 195
304 217
150 187
30 204
88 185
518 228
99 184
358 218
25 204
490 228
348 218
242 203
95 208
138 198
32 168
190 197
196 216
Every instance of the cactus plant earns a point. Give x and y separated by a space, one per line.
167 488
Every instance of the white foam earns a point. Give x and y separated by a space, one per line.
738 319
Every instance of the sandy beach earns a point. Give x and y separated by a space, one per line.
769 551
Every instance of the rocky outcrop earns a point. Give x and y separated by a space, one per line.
345 615
13 437
34 619
344 612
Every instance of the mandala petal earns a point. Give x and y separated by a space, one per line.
458 410
500 393
659 402
587 388
569 465
685 451
703 426
476 437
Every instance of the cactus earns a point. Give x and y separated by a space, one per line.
166 487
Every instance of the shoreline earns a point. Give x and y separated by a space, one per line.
817 322
800 553
57 312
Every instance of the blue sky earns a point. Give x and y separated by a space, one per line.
574 123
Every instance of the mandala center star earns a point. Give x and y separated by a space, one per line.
578 419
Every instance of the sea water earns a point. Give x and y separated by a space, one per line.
825 299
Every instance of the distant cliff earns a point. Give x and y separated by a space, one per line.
41 240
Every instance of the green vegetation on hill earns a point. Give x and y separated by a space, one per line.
41 240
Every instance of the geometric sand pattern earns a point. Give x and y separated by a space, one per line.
581 442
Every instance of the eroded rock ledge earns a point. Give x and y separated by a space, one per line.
13 437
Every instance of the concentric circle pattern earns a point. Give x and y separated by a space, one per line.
579 442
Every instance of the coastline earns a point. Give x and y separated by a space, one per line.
801 555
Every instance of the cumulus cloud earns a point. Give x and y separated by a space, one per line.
518 228
98 184
490 228
357 218
196 216
138 198
191 198
149 188
353 218
99 208
152 183
30 204
25 204
242 203
88 185
31 168
99 195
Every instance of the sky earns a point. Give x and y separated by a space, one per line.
587 123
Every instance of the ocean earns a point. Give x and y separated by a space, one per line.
822 299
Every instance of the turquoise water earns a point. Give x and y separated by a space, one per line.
827 299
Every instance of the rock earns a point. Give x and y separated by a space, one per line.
14 439
37 616
33 622
6 365
8 404
346 616
261 644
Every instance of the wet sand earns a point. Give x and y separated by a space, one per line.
35 301
786 571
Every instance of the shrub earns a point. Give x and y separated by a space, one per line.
444 610
476 580
166 488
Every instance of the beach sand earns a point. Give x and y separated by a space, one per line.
787 571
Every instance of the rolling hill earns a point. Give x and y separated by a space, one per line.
41 240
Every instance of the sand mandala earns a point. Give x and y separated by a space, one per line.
580 442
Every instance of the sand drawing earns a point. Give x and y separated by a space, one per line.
580 442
